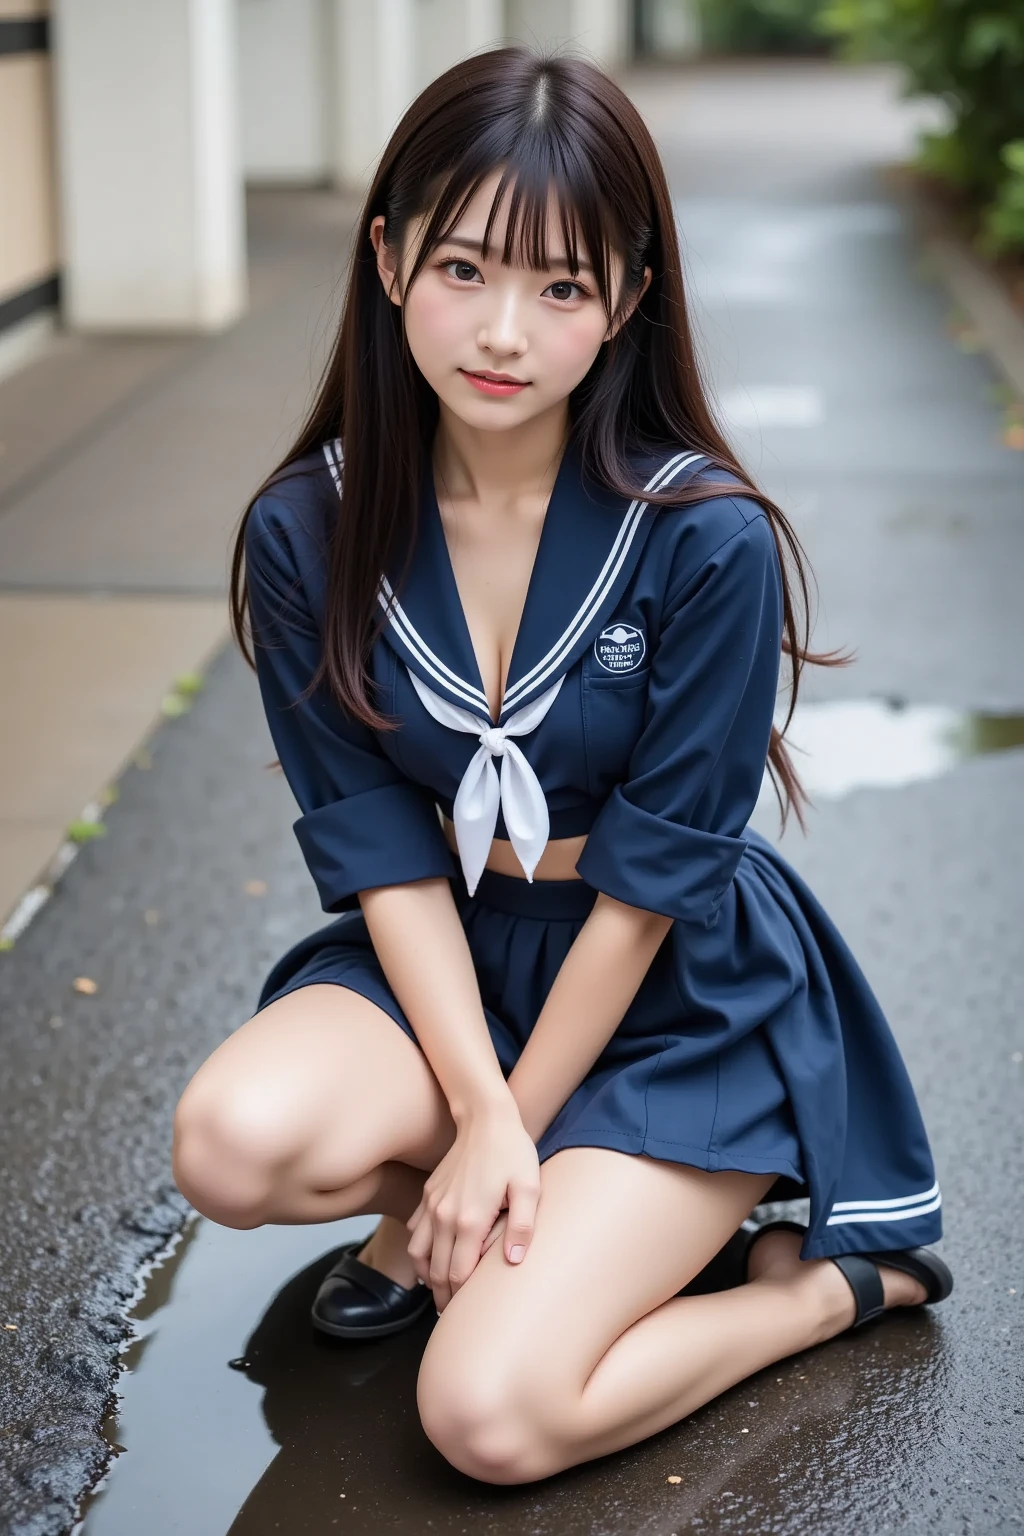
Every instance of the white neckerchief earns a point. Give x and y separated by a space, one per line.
475 812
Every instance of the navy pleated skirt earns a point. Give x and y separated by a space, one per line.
656 1088
754 1045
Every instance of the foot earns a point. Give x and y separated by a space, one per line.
776 1257
387 1249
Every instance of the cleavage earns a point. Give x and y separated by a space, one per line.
492 558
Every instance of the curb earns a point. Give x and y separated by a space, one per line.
996 320
89 822
998 323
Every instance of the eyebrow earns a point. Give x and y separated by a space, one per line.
474 245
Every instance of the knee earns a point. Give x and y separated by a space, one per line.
226 1153
487 1423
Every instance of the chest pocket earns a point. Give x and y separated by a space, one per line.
614 711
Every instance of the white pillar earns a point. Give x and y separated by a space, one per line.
602 28
284 68
151 188
375 79
599 28
449 29
672 28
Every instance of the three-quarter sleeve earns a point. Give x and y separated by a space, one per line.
668 839
363 822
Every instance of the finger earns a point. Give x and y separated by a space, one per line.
419 1247
522 1213
441 1263
466 1253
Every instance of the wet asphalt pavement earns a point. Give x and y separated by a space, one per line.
913 516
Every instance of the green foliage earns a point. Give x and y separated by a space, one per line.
969 54
762 26
1002 229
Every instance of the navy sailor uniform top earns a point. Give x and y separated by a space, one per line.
638 710
647 656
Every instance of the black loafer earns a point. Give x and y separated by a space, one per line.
356 1301
860 1270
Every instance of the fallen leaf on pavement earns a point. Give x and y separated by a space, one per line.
188 682
85 831
85 984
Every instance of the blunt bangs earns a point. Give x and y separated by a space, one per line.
534 166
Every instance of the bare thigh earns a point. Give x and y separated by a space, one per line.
503 1377
306 1098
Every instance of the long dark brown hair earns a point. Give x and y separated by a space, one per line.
547 123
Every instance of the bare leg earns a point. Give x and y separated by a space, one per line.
319 1107
591 1358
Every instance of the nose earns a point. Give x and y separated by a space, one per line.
503 333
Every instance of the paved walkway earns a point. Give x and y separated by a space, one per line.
882 441
125 465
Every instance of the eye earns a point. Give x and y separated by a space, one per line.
566 288
465 270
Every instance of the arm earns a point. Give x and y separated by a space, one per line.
666 844
371 837
595 985
422 949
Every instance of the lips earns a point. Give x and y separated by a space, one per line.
494 383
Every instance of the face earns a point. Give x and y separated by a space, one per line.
499 345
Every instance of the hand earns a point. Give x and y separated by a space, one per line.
491 1164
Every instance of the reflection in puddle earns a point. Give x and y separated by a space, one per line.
845 745
307 1435
194 1436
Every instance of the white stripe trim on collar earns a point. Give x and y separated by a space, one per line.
332 453
430 662
605 580
539 673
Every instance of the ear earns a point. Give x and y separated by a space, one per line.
617 325
387 260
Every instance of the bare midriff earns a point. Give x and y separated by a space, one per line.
557 862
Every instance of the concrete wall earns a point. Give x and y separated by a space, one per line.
286 103
28 224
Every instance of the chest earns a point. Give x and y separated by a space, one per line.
493 551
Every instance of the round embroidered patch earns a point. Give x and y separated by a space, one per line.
621 648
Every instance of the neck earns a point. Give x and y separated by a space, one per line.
500 466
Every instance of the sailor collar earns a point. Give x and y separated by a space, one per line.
590 543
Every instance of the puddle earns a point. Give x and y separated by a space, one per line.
236 1419
843 745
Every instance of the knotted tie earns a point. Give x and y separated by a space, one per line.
475 812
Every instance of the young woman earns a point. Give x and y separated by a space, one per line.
518 617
